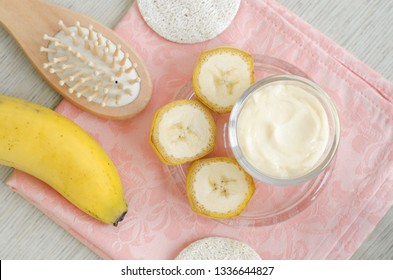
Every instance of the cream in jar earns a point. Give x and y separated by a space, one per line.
282 130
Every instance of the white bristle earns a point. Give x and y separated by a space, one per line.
47 50
76 75
107 88
85 79
99 72
124 60
74 87
61 45
75 40
49 38
48 64
67 66
91 64
99 39
93 95
134 81
108 44
55 70
129 69
113 63
64 27
91 33
117 51
83 91
80 56
104 100
119 72
60 59
87 43
64 81
118 98
97 86
104 56
71 51
78 27
95 50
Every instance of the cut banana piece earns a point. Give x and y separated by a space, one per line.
221 75
182 131
218 187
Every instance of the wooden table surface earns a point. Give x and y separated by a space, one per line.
363 27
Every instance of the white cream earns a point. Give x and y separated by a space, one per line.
283 130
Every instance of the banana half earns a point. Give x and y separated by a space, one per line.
182 131
218 187
221 75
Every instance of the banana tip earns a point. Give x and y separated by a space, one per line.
121 218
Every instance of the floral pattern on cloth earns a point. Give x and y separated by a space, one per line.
159 223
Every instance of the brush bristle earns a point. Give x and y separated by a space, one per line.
91 66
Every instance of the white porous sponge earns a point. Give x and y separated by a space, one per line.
188 21
218 248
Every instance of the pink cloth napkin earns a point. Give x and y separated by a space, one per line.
160 223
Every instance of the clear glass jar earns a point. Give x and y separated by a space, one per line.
307 86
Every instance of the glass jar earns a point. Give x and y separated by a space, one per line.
306 87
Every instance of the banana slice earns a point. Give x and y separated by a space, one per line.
218 187
220 77
182 131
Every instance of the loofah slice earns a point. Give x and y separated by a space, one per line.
188 21
218 248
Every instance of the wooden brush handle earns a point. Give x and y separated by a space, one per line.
28 20
7 8
18 14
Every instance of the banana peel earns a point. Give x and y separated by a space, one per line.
52 148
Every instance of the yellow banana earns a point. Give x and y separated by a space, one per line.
54 149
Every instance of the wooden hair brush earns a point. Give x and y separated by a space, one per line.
84 61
